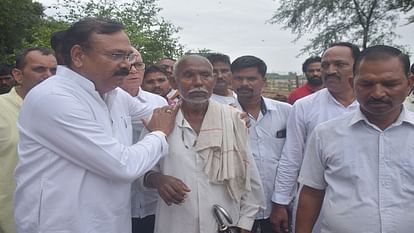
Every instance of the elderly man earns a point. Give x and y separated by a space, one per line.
267 132
209 161
33 65
143 202
132 84
336 99
75 171
311 68
362 163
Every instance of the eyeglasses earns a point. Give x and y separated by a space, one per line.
120 57
138 65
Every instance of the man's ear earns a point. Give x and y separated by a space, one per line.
410 82
351 81
77 53
17 75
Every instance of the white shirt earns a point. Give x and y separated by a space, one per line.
230 100
195 214
153 101
306 113
144 201
267 136
121 107
368 174
73 175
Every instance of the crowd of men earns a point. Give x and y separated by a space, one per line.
93 139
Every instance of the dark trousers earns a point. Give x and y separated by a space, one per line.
262 226
143 225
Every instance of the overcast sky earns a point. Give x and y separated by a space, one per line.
239 27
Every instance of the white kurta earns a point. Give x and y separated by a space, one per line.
144 201
195 215
73 176
368 174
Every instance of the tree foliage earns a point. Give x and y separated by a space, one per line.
152 35
402 5
363 22
17 19
23 24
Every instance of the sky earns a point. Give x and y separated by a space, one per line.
240 27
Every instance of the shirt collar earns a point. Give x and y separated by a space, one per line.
410 98
405 116
263 107
76 77
16 96
332 98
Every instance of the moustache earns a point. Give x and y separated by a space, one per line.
373 100
331 77
198 90
315 80
243 89
122 72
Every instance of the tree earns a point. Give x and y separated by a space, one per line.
152 35
363 22
404 6
17 18
41 33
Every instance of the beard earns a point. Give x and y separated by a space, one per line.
314 80
4 88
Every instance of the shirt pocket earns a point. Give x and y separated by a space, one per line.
407 177
126 122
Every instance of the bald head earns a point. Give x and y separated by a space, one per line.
190 58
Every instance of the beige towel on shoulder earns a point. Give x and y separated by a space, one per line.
222 145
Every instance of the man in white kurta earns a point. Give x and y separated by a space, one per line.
143 202
73 175
207 163
195 214
361 165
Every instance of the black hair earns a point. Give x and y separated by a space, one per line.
80 32
218 57
154 68
247 62
310 60
56 39
21 56
5 69
380 52
354 49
